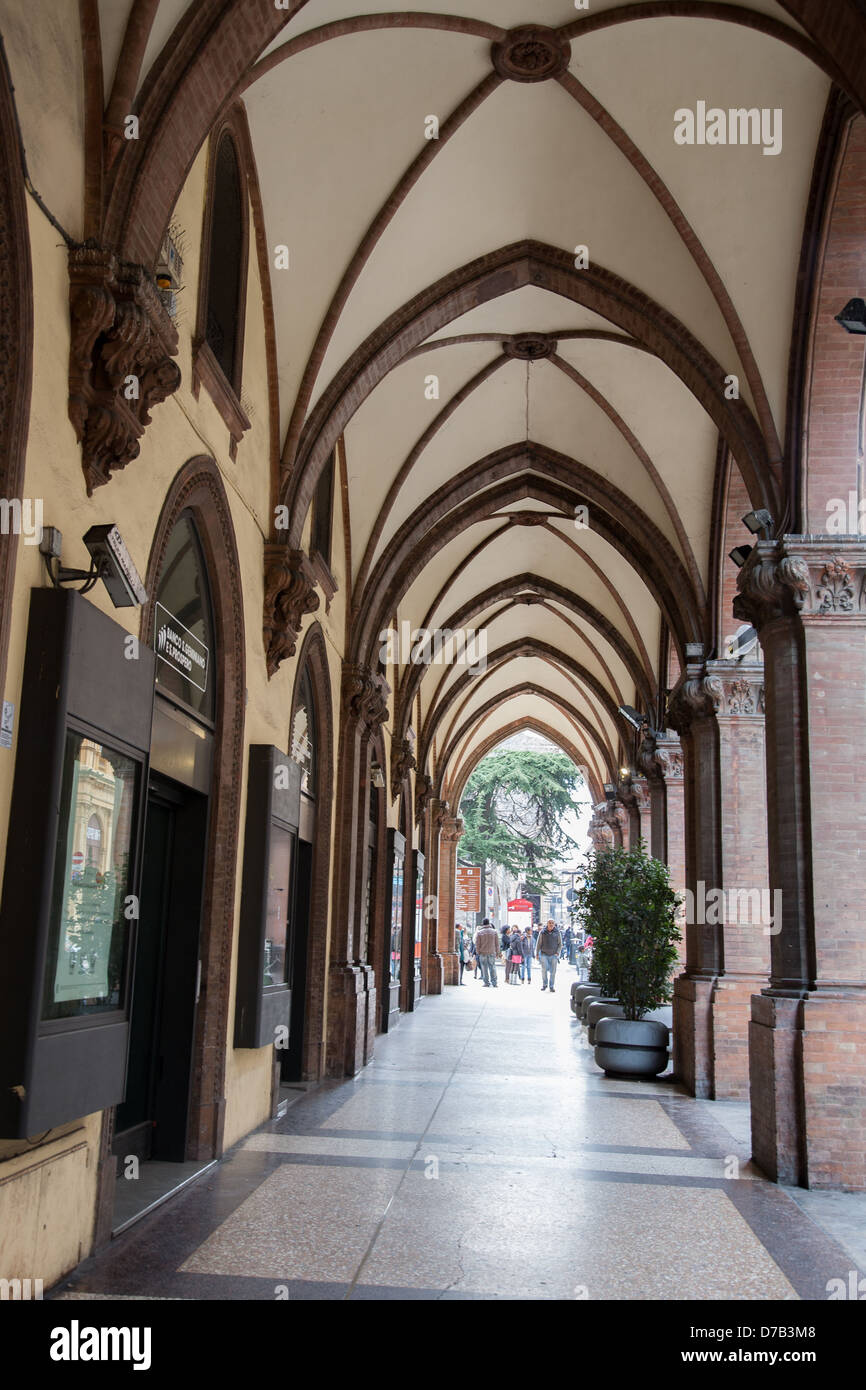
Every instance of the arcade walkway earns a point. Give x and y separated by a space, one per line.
482 1155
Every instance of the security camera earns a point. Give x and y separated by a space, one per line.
115 566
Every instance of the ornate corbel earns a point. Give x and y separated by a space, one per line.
365 697
402 763
290 593
121 360
770 585
423 793
696 696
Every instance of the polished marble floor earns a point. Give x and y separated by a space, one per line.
483 1155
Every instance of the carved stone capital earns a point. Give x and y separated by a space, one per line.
641 795
402 763
696 695
423 793
772 584
452 829
669 758
441 815
121 360
742 687
290 593
365 696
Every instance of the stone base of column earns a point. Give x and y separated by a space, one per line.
347 1020
693 1034
434 973
808 1088
450 968
372 1001
731 1015
775 1070
834 1084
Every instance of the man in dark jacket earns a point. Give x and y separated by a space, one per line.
487 949
547 950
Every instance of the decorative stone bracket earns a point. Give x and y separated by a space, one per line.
795 575
365 697
660 756
423 793
402 763
290 593
121 358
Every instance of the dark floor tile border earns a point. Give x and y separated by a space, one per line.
216 1287
806 1255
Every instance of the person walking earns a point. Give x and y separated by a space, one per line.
504 940
487 949
567 945
515 954
527 947
547 950
462 950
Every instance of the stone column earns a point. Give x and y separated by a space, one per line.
436 812
746 901
649 763
807 1040
351 981
691 712
449 837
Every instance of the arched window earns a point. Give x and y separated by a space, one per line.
183 624
219 336
225 260
303 749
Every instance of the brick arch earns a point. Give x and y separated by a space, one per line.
545 588
487 278
501 478
512 651
313 656
454 790
16 343
198 488
525 688
832 377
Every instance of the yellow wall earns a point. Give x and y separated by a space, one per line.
51 1189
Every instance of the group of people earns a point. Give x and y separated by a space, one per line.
519 948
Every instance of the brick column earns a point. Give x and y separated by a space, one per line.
691 712
669 761
351 981
747 904
449 838
656 836
807 1040
436 812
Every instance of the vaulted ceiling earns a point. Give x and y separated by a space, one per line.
491 378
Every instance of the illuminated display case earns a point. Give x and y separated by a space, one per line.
268 898
70 894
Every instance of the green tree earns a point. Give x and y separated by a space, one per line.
513 810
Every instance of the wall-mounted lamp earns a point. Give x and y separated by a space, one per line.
636 720
625 773
759 520
111 562
610 791
377 776
740 555
853 316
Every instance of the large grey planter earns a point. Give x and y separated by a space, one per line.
580 992
599 1009
631 1049
585 1002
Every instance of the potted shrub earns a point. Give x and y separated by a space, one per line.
629 906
